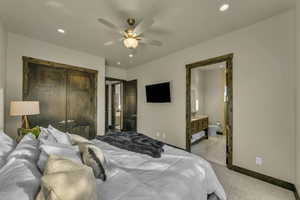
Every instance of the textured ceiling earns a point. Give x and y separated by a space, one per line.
178 23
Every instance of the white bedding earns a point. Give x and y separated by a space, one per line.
177 175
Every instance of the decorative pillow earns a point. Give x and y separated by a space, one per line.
67 180
35 131
19 179
7 145
77 139
65 151
60 137
26 149
93 157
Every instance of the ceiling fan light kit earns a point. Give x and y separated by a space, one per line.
131 37
130 43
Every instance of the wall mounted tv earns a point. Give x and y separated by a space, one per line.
158 93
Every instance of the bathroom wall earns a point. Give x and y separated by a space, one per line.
197 91
214 84
207 92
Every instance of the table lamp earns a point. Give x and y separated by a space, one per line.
24 108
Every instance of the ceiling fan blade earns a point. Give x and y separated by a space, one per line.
150 42
110 25
143 26
112 42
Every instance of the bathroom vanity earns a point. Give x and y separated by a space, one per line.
198 124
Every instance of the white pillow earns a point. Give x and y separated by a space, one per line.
77 139
19 180
26 149
93 157
7 145
60 137
63 179
67 152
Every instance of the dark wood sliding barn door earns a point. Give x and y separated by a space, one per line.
48 86
67 96
81 103
130 106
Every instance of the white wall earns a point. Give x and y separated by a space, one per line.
19 46
263 90
298 97
115 72
3 47
197 91
214 84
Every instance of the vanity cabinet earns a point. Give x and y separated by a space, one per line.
199 124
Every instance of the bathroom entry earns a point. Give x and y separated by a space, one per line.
120 105
114 105
209 109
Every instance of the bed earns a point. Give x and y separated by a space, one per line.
176 175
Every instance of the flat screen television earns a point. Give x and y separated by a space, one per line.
158 93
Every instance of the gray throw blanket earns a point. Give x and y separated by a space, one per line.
133 141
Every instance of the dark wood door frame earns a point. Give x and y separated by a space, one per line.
106 107
112 97
228 105
228 121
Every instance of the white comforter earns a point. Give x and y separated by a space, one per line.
177 175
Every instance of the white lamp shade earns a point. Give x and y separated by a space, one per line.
22 108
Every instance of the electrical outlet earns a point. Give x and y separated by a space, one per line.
158 134
259 161
164 136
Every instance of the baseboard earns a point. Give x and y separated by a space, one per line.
262 177
176 147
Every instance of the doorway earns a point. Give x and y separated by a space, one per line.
209 108
120 105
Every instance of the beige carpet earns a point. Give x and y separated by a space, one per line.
240 187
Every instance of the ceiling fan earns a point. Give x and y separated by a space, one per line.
132 35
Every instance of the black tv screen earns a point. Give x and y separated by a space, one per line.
158 93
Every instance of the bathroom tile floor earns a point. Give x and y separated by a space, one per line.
213 149
241 187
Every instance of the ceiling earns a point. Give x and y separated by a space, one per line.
178 23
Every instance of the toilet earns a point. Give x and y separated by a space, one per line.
213 129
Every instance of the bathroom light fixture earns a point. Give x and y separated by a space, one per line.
224 7
130 55
61 31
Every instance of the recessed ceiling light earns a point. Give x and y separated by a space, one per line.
224 7
61 31
118 63
130 55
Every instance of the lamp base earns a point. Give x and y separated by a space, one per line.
25 123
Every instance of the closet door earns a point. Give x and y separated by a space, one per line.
81 101
130 106
48 86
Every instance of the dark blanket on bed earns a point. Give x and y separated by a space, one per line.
133 141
